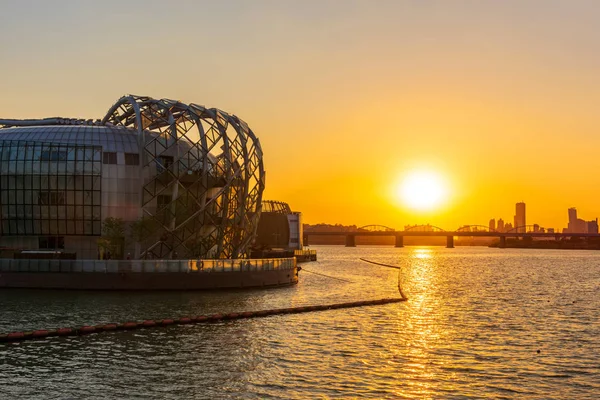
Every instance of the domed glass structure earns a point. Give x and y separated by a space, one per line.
186 180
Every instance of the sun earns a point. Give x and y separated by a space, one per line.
422 190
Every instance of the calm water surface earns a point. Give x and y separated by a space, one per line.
479 323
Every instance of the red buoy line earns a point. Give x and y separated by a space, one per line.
89 329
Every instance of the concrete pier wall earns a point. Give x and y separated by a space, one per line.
147 274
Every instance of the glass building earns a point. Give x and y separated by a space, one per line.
185 180
279 227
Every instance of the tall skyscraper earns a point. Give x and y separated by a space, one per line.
500 227
572 219
492 226
576 225
520 220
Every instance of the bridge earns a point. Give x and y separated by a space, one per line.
432 231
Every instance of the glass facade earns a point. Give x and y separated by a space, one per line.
50 189
188 179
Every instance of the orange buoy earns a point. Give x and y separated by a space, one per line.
15 335
185 320
40 333
64 331
215 317
166 322
129 325
149 322
87 329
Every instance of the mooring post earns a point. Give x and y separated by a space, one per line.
450 242
399 241
350 241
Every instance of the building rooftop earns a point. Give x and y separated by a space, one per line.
111 138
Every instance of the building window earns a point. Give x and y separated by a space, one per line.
49 190
162 201
164 162
51 242
109 157
53 155
53 197
132 159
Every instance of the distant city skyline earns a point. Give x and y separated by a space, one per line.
573 224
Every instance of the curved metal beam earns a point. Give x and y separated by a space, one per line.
204 165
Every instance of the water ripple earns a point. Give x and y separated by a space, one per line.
479 323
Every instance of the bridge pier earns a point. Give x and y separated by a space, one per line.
399 241
450 242
502 244
350 241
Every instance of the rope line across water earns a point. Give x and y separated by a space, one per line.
376 263
390 266
86 330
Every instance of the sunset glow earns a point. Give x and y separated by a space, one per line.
346 107
422 190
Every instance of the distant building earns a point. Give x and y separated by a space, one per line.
520 221
592 226
576 225
508 227
572 217
536 228
492 225
500 227
279 227
550 230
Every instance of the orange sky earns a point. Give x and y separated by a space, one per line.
346 97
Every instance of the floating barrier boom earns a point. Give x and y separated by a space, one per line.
86 330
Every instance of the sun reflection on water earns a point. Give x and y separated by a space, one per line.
422 329
422 253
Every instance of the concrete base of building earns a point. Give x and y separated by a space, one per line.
148 281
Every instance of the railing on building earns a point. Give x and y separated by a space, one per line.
305 253
147 266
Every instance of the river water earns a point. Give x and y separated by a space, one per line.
479 323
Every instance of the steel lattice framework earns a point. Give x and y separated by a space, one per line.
376 228
203 177
274 206
474 228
